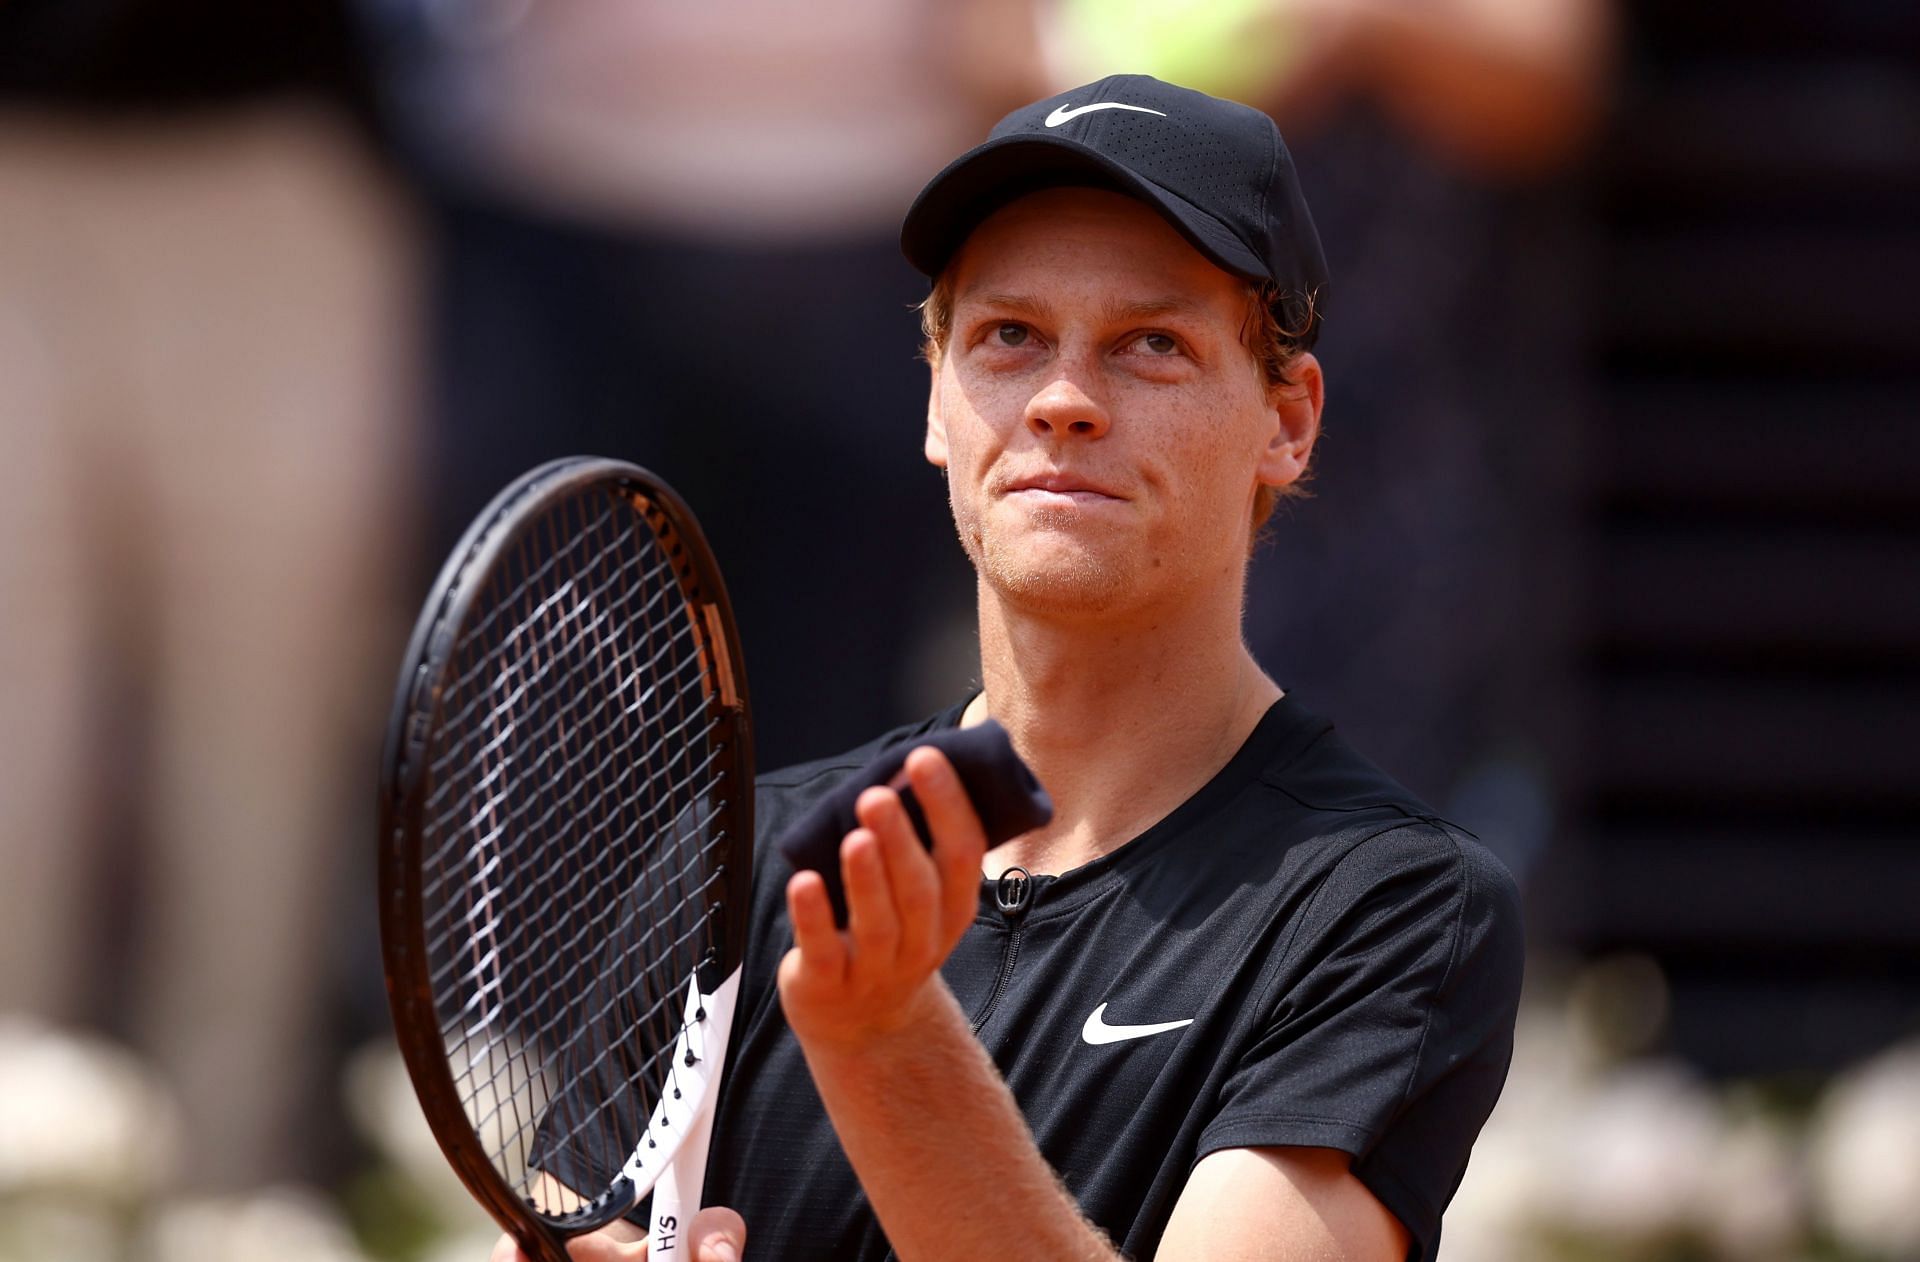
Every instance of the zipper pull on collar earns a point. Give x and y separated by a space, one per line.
1013 893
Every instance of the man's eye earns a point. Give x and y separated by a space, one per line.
1159 343
1011 334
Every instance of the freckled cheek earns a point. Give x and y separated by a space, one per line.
995 400
977 431
1205 469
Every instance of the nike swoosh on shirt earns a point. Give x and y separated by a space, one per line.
1067 113
1096 1031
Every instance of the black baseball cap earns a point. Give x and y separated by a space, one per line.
1216 170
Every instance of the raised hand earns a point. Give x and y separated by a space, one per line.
907 908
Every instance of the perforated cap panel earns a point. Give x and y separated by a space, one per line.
1217 170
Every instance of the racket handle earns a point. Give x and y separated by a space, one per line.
1004 792
667 1220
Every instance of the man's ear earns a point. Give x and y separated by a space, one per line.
1295 409
936 446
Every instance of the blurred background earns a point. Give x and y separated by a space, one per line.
1614 551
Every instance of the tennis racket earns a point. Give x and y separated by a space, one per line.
566 837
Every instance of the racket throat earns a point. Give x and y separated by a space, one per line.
682 1120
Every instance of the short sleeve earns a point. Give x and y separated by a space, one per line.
1391 1021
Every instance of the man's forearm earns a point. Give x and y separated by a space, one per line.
941 1148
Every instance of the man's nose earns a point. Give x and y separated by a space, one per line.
1064 406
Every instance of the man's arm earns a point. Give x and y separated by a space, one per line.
936 1138
1280 1203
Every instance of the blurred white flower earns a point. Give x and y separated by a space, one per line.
1864 1152
1755 1203
1492 1216
381 1101
1551 1055
80 1115
1495 1213
274 1225
1631 1158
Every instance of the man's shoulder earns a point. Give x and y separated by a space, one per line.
1339 815
1366 841
1319 772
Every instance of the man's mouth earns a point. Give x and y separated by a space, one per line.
1063 486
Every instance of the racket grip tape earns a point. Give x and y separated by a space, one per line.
1003 790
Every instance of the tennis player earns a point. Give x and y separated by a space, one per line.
1244 997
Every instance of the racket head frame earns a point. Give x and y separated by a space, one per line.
405 783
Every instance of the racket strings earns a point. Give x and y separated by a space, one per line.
477 855
454 805
616 1011
572 556
654 878
468 723
661 1067
642 944
574 841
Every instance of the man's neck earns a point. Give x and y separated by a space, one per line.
1120 724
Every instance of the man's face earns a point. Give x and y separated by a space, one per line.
1103 427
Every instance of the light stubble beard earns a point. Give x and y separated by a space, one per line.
1073 578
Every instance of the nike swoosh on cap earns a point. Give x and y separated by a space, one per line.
1096 1031
1067 113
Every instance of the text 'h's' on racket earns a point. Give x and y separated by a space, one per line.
566 838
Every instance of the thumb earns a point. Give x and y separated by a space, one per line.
718 1235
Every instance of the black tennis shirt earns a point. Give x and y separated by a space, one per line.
1346 963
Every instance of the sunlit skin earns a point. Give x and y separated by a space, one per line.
1103 426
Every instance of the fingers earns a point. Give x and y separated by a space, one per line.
873 920
823 952
959 842
506 1249
718 1235
906 909
918 904
910 914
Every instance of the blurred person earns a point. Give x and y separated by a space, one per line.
205 299
631 204
1427 588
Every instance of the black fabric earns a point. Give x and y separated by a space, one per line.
1216 170
1350 963
1005 795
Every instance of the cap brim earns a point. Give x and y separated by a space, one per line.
987 177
